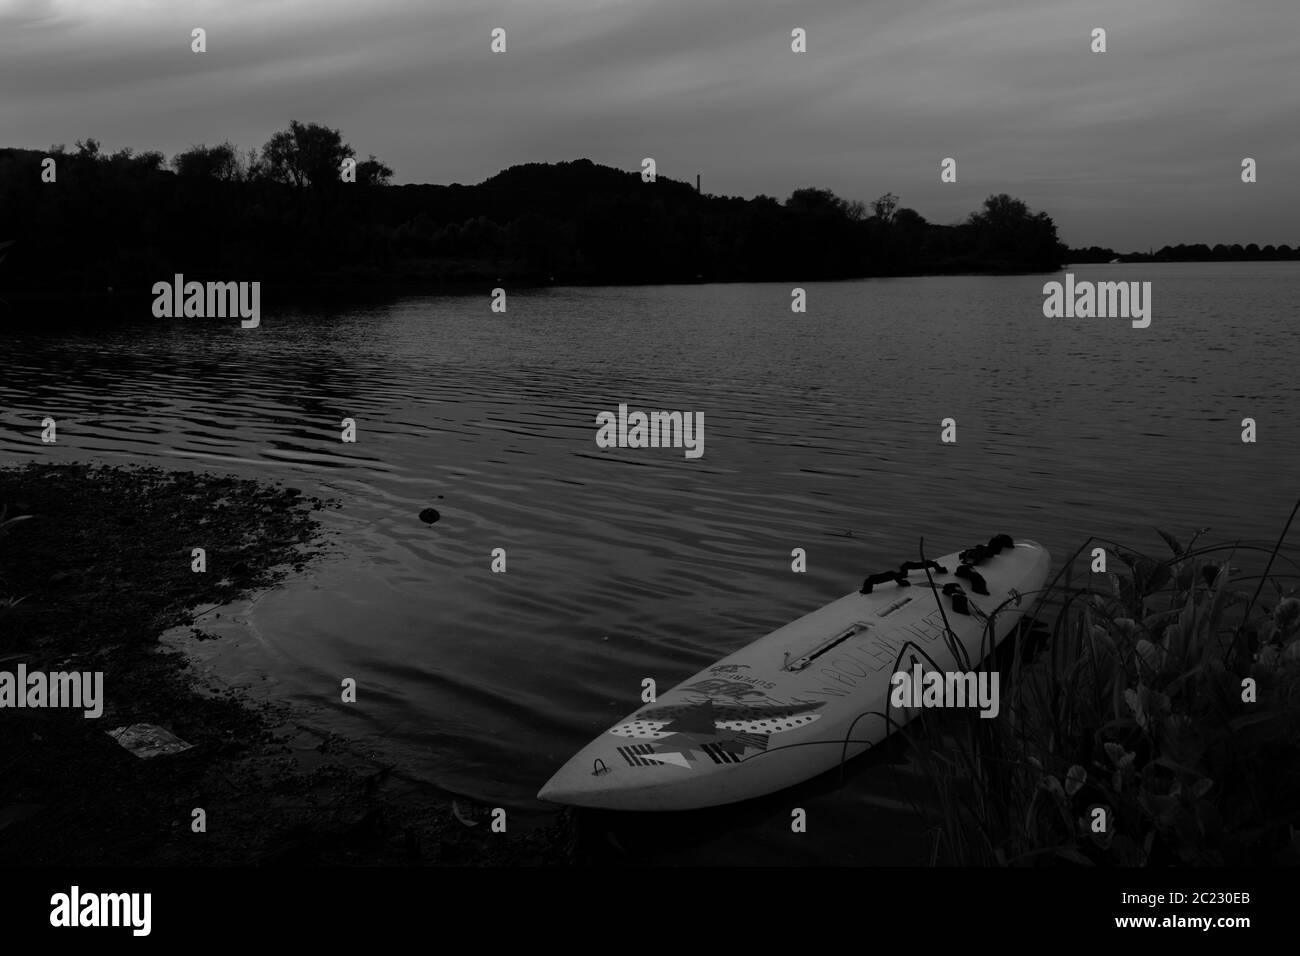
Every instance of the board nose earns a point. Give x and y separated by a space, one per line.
578 781
549 792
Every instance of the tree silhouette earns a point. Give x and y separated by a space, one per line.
306 154
371 172
283 213
1006 229
819 202
209 162
884 207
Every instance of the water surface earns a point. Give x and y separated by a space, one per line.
821 432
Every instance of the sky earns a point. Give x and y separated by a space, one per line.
1137 147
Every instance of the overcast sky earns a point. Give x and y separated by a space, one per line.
1139 146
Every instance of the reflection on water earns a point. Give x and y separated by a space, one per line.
633 563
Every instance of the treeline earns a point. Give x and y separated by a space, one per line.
285 212
1199 252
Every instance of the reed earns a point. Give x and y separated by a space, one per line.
1158 724
7 603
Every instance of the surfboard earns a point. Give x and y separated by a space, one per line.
810 694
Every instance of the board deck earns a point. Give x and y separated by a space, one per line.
780 710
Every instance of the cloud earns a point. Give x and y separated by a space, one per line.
1140 145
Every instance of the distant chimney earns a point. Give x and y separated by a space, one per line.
697 182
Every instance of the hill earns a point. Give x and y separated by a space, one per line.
282 215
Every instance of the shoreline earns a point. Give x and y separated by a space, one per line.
104 569
298 291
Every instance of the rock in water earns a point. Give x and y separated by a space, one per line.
429 515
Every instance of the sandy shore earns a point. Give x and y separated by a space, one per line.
104 568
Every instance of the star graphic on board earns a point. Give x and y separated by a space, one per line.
699 719
697 726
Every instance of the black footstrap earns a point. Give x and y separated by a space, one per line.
898 577
969 558
959 602
982 552
977 582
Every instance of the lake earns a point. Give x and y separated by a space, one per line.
631 563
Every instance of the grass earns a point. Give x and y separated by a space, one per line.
8 603
1158 725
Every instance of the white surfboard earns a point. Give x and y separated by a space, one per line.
780 711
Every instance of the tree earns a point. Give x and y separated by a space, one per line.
372 172
885 207
209 162
1006 230
254 168
151 160
1000 212
824 202
908 218
306 154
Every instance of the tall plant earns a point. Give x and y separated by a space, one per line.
1161 724
7 604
